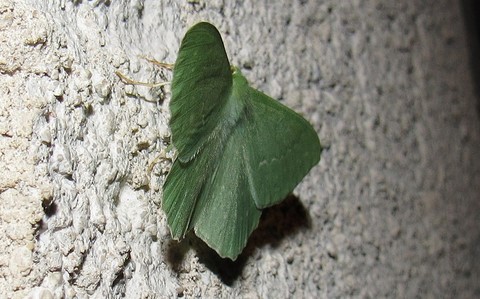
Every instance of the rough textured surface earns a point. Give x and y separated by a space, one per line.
392 210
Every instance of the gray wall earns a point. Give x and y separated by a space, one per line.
392 210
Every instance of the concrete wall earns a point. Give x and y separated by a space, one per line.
392 210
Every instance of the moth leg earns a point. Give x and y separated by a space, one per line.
162 156
127 80
168 66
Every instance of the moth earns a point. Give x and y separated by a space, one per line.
238 150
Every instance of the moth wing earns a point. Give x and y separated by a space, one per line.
226 214
181 190
201 83
280 148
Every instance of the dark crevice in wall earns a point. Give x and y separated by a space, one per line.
471 12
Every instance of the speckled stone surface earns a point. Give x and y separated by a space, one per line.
392 210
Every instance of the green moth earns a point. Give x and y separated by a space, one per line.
239 151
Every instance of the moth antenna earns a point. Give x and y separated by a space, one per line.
127 80
168 66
